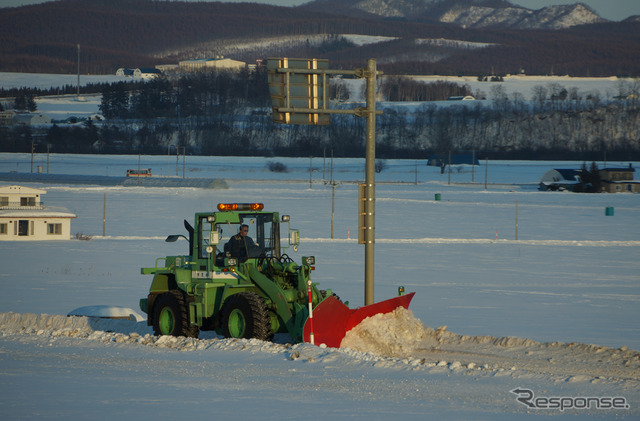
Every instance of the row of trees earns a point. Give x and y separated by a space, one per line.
227 114
194 95
24 101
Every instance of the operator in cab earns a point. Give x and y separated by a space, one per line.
241 246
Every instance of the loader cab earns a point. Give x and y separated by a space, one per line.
215 229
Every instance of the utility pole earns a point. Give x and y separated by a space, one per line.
331 166
333 205
370 184
78 85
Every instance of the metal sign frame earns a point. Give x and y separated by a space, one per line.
288 108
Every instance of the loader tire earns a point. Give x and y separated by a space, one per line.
245 315
170 316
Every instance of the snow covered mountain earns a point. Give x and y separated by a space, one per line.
471 13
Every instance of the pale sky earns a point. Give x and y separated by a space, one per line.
609 9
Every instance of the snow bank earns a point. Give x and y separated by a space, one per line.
394 340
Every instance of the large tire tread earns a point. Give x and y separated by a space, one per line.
176 300
254 309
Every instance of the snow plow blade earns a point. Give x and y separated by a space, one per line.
332 319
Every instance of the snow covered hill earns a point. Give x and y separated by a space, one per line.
473 13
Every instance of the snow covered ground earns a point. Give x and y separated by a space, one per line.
554 312
604 88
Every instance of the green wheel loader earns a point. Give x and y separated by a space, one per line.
236 280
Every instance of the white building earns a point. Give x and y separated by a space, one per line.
140 72
26 119
218 63
23 216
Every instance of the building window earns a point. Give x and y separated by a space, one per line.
54 229
4 229
27 201
4 201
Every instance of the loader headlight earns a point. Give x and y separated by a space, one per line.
311 260
232 261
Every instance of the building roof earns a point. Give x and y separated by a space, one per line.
150 70
20 190
561 175
36 213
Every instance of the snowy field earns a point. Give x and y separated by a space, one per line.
554 312
9 80
63 106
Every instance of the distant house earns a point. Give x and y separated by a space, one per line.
31 119
561 179
619 180
612 180
23 216
218 63
141 72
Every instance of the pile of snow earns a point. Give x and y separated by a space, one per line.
395 334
